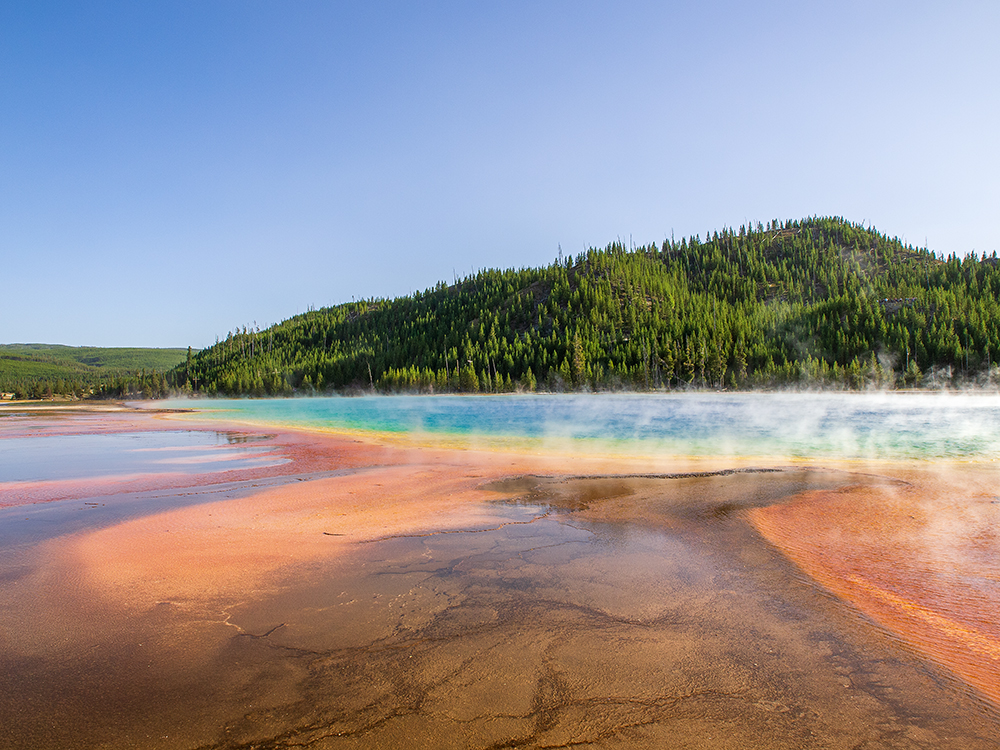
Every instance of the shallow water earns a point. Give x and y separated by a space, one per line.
55 457
37 522
559 626
550 610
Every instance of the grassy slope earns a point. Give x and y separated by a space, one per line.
53 361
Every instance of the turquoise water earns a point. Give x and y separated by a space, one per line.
876 426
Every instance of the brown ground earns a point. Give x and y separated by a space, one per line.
461 599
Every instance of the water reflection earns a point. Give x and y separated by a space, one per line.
61 457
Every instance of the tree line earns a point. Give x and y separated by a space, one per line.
817 302
141 384
52 370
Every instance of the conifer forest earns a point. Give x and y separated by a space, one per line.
817 303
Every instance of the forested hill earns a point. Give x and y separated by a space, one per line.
818 302
46 370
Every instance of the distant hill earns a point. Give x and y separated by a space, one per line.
817 302
38 370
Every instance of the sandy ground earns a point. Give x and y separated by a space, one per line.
297 608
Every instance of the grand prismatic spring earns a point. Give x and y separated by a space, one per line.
690 571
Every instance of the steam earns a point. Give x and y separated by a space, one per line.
846 425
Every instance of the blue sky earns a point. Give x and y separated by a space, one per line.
170 171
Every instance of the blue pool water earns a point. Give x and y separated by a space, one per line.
848 425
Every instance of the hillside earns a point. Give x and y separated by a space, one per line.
818 302
38 370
